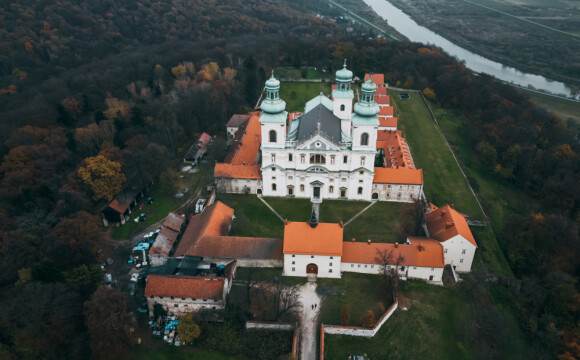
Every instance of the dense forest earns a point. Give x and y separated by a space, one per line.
97 95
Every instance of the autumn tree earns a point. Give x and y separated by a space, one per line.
187 329
389 263
344 316
84 279
110 327
368 320
103 176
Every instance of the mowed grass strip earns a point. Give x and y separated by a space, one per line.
444 183
297 94
335 211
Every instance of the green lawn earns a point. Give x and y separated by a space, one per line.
358 292
156 349
380 224
340 210
296 94
436 326
291 208
252 217
444 183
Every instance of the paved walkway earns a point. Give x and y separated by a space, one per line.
360 212
308 321
271 208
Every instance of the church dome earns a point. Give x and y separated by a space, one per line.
272 83
369 87
272 104
344 74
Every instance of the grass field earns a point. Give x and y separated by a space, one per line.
434 327
380 224
444 183
358 292
296 93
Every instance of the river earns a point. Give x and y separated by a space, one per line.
417 33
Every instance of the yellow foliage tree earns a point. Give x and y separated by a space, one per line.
212 69
103 176
429 93
178 71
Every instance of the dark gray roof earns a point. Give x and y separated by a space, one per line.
329 124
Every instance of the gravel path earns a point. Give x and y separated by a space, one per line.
308 321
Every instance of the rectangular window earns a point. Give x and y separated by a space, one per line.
389 186
358 265
351 265
372 266
293 262
331 258
461 261
312 256
345 159
273 169
289 157
293 255
365 266
293 269
330 270
445 252
273 178
329 264
414 268
463 252
175 305
432 269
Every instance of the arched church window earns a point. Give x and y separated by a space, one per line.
317 159
272 136
342 107
364 139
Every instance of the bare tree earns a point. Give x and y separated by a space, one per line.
390 261
286 299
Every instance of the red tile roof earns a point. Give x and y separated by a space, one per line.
381 90
445 223
180 286
324 239
238 120
378 79
423 252
164 241
235 247
398 176
237 171
386 111
388 122
118 206
214 220
203 140
397 151
244 152
382 99
174 221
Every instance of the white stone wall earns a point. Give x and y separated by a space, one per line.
429 274
295 265
360 331
459 252
179 306
361 268
238 186
280 129
397 192
416 272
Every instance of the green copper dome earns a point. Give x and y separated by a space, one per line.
344 74
272 104
367 106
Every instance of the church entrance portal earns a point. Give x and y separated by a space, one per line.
375 196
312 269
317 192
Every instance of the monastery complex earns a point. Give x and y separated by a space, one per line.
332 150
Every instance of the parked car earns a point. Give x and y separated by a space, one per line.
200 205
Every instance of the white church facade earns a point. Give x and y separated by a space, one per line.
327 152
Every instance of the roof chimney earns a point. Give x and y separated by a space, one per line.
396 245
369 241
448 224
353 240
285 221
443 213
341 224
